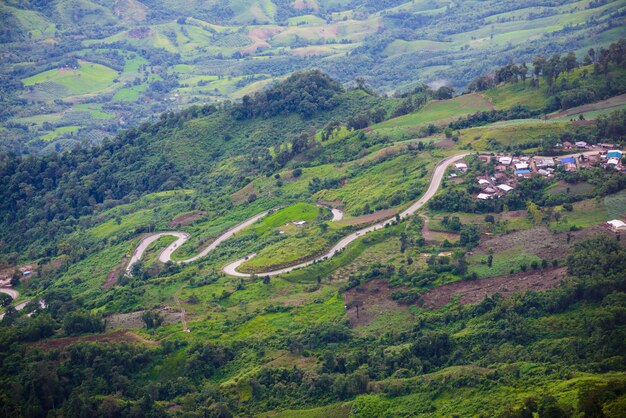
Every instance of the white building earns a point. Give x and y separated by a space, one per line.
504 187
521 166
505 160
617 225
460 166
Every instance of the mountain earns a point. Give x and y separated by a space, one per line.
318 249
79 71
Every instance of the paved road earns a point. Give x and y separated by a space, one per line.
182 237
231 269
435 182
15 294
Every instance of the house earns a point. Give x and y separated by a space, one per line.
453 175
483 182
299 223
543 172
607 146
567 145
617 225
522 173
483 196
505 160
500 168
581 144
504 187
489 190
570 167
461 166
544 162
612 161
521 166
568 160
614 153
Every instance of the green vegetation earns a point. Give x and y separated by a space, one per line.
140 59
510 307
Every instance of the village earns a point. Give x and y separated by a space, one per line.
509 170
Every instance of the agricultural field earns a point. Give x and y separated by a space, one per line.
139 60
438 113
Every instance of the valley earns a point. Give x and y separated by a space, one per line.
81 77
316 248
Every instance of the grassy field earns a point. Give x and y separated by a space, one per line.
87 78
435 112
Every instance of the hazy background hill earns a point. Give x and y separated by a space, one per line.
80 70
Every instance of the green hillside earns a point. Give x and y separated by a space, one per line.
139 59
508 307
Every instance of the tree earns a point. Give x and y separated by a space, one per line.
80 322
534 212
490 260
5 300
470 234
266 279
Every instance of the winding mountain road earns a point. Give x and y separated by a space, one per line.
231 269
14 295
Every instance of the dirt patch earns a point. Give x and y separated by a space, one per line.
514 214
186 219
539 241
476 290
374 299
263 34
603 104
584 122
371 217
113 337
115 274
445 143
139 33
241 196
306 5
431 235
133 319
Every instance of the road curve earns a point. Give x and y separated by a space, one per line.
182 237
231 269
14 295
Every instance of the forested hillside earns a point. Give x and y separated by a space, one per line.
79 71
186 267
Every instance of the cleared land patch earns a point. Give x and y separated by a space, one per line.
475 291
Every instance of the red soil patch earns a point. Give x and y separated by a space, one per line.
476 290
372 217
185 219
113 337
263 34
115 274
375 297
306 4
